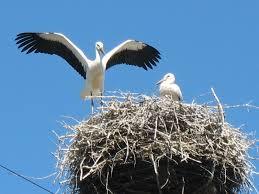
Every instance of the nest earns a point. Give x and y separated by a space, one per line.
154 145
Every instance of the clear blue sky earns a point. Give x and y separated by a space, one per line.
205 43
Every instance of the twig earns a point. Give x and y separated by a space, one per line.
183 185
221 111
157 175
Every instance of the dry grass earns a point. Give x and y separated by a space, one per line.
147 145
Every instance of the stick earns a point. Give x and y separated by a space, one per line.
221 111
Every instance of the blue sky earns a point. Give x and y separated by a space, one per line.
204 43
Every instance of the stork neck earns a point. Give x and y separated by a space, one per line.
97 56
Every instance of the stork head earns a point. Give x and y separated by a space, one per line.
99 47
169 78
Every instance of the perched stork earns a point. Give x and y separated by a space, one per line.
129 52
168 87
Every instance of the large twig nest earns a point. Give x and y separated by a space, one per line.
153 145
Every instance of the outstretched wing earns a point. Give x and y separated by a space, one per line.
53 43
132 52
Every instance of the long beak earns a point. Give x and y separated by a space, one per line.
159 82
102 51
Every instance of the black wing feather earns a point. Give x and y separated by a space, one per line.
145 57
33 42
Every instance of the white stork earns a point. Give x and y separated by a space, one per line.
168 87
129 52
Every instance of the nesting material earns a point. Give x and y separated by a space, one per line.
154 145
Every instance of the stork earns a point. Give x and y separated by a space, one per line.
168 87
131 52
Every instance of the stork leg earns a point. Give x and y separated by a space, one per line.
92 103
101 101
